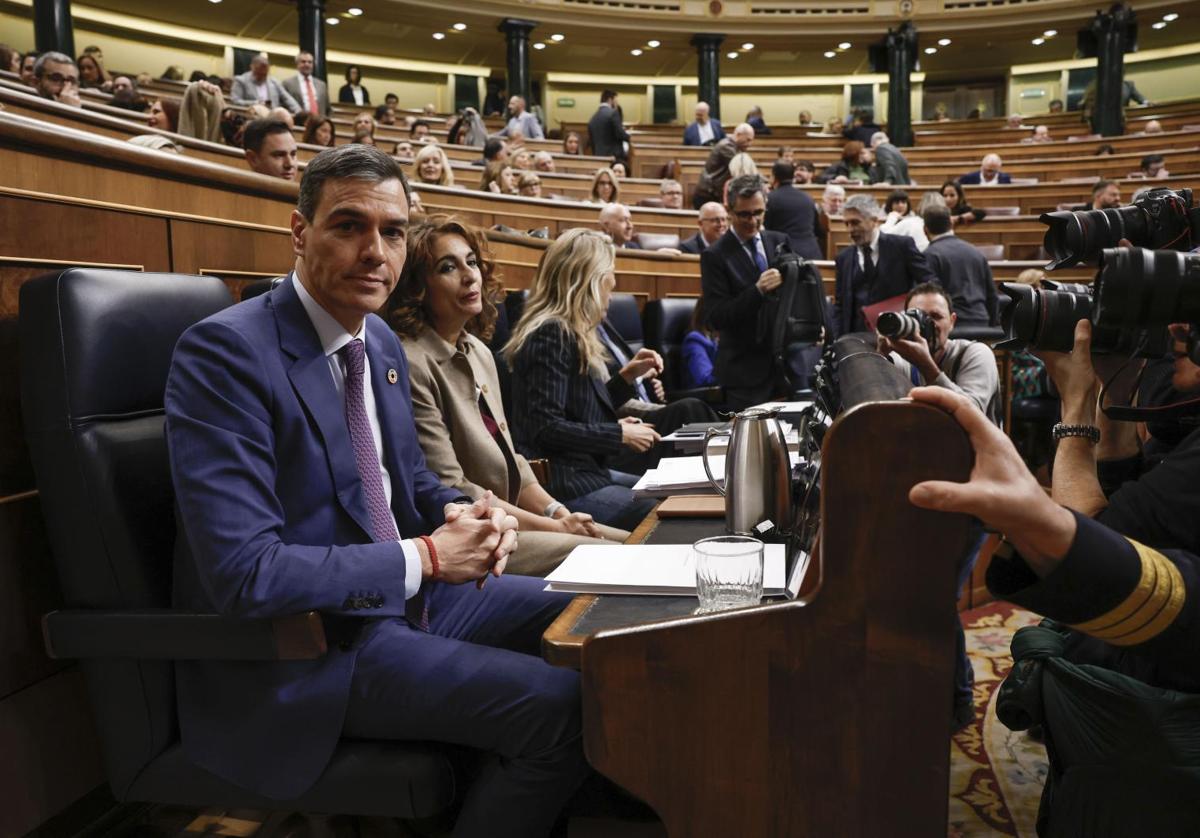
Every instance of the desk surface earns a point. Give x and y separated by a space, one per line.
562 642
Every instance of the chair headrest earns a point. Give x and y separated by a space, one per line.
100 341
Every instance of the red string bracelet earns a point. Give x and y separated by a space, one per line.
433 559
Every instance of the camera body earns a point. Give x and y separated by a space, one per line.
907 325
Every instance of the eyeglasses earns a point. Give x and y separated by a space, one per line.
59 78
746 215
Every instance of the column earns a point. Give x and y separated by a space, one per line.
708 71
52 26
312 35
902 56
1111 31
516 33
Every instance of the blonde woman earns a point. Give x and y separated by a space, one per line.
498 177
740 164
444 310
432 166
529 185
605 188
563 397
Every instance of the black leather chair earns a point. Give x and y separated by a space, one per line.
96 347
627 320
667 323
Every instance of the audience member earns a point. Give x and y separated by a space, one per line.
281 114
419 132
1154 166
363 136
605 187
670 192
519 118
741 165
266 534
617 221
529 185
711 186
735 275
92 73
806 118
57 78
834 126
127 99
988 174
1014 120
833 199
173 73
123 83
906 222
713 221
699 352
444 311
521 158
792 212
311 92
785 152
364 122
270 148
890 164
1106 194
956 201
852 166
498 177
320 131
563 408
961 269
1041 134
755 120
157 142
28 61
1153 127
391 99
468 130
1056 106
941 112
875 268
862 127
618 169
256 85
10 59
571 143
404 149
606 131
432 166
704 130
1105 149
385 115
805 171
495 150
543 161
353 92
164 115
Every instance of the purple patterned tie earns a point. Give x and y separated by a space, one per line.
366 457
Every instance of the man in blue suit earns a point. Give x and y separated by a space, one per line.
301 485
705 130
988 174
875 267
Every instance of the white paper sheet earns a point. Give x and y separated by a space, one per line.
658 569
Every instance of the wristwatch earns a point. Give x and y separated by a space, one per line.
1088 432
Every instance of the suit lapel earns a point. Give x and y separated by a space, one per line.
310 376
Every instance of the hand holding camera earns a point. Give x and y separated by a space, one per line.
912 335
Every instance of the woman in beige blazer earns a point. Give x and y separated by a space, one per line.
443 310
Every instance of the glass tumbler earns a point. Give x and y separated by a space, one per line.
729 572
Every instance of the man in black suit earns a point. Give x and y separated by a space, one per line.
735 274
713 223
606 132
962 270
862 127
792 212
876 266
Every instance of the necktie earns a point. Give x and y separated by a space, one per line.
366 457
756 254
312 94
868 265
622 359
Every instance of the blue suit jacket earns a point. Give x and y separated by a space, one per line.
900 267
974 177
275 522
691 134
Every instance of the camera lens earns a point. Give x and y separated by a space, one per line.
1038 318
897 324
1074 237
1138 287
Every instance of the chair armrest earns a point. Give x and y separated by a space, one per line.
163 634
708 395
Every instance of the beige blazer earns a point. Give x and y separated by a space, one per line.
447 383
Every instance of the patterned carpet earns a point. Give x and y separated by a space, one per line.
996 775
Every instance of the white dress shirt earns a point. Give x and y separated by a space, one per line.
333 337
874 252
705 130
357 91
263 91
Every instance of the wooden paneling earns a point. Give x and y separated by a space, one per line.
198 247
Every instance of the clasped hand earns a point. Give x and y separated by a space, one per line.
475 540
646 363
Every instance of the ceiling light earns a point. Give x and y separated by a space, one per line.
844 45
437 36
214 1
355 11
1162 24
635 52
332 21
1172 16
944 42
831 54
731 55
460 27
653 44
539 46
930 50
1037 42
556 37
1049 33
747 46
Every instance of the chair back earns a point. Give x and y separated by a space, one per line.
96 350
624 315
667 323
1003 210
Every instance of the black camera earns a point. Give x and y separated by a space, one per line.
1160 219
1137 288
907 325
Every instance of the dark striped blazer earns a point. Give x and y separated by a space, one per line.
565 415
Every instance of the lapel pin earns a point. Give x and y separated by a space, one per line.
392 376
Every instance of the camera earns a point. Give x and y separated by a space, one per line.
1137 287
907 325
1160 219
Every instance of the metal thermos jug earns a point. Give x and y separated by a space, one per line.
758 472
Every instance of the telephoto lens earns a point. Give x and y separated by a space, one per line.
1161 218
1042 318
905 325
1138 288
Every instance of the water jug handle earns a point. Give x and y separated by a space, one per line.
709 436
